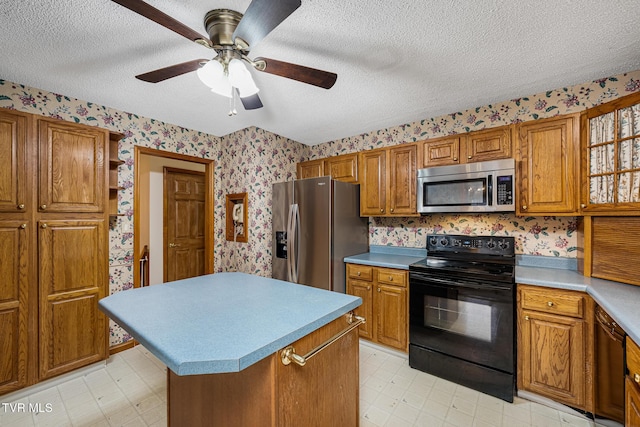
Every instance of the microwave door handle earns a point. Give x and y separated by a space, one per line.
490 190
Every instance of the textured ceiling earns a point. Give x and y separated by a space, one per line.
397 61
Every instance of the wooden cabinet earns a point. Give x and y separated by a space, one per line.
555 345
548 166
341 168
384 293
489 144
72 330
323 392
14 132
611 158
53 247
14 299
310 169
71 167
632 384
388 181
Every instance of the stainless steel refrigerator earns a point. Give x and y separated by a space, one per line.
316 223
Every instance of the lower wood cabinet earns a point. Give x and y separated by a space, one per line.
384 293
555 345
632 385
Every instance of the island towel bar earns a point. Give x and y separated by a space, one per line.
289 355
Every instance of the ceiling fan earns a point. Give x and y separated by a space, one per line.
231 36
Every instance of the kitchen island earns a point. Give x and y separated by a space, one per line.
223 338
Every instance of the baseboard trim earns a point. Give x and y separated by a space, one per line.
122 347
384 349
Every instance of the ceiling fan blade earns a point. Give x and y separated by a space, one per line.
261 17
251 102
171 71
163 19
312 76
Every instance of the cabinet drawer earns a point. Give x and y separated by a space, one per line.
360 272
392 277
633 361
551 301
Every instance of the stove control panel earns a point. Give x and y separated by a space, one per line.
494 245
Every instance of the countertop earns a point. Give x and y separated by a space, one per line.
222 322
620 301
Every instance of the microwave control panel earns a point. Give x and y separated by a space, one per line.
505 190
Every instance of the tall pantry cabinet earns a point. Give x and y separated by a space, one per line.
53 247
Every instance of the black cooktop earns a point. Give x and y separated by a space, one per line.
470 257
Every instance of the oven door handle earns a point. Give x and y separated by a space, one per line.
453 283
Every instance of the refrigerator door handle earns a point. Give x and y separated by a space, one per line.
290 237
296 246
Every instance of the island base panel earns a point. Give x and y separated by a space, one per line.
323 392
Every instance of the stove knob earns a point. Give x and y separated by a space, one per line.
502 244
444 242
491 244
433 241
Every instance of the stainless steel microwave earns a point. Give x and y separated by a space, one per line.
472 187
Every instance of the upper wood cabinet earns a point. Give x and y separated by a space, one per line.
114 163
555 344
310 169
548 165
388 181
611 157
342 168
489 144
71 167
14 131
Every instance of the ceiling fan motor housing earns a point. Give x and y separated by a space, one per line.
220 25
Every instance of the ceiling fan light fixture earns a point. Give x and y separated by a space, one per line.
212 75
241 78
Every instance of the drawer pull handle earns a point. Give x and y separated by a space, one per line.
378 289
636 378
368 288
289 355
43 226
391 278
526 317
359 273
524 207
550 303
23 226
21 206
43 207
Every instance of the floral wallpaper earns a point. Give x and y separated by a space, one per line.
248 160
548 236
252 159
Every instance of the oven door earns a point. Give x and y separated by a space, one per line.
473 321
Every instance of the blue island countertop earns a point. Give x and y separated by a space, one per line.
222 322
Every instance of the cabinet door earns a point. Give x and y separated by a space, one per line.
13 305
491 144
402 180
551 357
363 290
440 152
548 167
310 169
391 314
13 173
373 183
73 277
632 403
343 167
72 167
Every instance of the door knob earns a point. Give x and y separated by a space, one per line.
23 226
43 207
21 206
524 207
43 226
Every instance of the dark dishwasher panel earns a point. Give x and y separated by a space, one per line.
609 339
